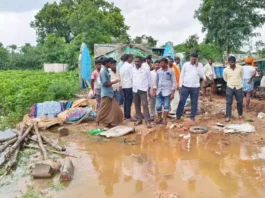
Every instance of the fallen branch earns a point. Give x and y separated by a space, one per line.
7 144
43 150
53 144
49 150
19 140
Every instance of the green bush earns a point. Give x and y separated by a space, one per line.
19 90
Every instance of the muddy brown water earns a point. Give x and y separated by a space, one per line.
160 165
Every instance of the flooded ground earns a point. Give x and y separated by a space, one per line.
165 163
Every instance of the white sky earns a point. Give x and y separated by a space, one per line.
167 20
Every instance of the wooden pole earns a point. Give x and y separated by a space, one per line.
43 150
49 150
53 144
3 148
19 140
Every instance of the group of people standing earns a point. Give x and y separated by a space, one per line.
159 88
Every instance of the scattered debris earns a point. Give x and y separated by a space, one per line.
239 128
220 124
63 131
11 145
42 170
217 128
198 130
67 170
179 126
260 93
261 115
117 131
129 141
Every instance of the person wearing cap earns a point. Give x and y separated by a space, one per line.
148 63
233 75
249 73
190 76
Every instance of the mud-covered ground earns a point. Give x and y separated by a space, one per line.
162 161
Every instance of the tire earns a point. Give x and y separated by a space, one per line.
198 130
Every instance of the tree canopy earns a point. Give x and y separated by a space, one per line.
205 50
92 21
229 24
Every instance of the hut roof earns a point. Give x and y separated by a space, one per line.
103 49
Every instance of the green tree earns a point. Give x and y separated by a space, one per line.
205 50
93 21
229 24
210 50
189 46
150 40
13 48
52 19
4 57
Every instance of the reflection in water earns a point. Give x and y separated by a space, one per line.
163 163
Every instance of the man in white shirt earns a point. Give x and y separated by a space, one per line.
208 79
152 98
142 81
127 84
249 73
190 85
113 77
148 62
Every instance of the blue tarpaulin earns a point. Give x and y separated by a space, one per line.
86 65
169 50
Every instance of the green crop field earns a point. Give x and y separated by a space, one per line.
20 89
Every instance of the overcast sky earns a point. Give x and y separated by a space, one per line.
167 20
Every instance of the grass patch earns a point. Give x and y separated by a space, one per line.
63 143
56 184
2 170
19 90
32 192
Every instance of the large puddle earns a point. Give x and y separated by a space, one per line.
162 166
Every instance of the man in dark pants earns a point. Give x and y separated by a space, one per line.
142 81
190 82
233 75
126 85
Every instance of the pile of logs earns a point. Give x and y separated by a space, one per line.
10 147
